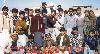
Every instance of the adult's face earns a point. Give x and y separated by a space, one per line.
22 16
70 12
62 32
78 11
74 12
86 13
53 13
14 37
61 12
92 13
26 12
5 11
38 14
92 34
14 14
30 12
75 32
44 14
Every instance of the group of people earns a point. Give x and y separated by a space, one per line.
61 31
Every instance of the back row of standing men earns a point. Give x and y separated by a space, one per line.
42 23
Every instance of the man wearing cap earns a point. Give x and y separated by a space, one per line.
13 46
37 27
44 7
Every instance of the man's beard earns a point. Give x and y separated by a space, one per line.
5 13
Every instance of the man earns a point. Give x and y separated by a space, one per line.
87 23
92 19
27 19
62 39
13 46
44 7
51 21
61 17
70 21
4 28
80 21
59 8
45 17
75 41
14 18
48 42
37 27
98 23
21 28
5 21
74 11
44 14
26 11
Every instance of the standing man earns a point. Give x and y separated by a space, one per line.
44 14
60 16
14 18
27 19
4 28
29 23
21 28
37 27
80 21
5 20
70 21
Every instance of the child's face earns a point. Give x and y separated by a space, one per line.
49 38
75 31
62 32
29 39
92 34
14 37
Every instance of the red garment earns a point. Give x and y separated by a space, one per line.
69 48
37 24
33 51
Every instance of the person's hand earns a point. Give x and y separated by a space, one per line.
32 34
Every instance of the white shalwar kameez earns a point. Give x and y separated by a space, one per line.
70 23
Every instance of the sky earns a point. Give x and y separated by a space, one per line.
21 4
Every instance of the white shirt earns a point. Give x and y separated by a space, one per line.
1 22
61 19
61 41
70 22
80 20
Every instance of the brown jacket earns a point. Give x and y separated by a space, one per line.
21 26
66 40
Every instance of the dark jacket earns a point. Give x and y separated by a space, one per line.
98 22
66 40
91 42
37 24
51 21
